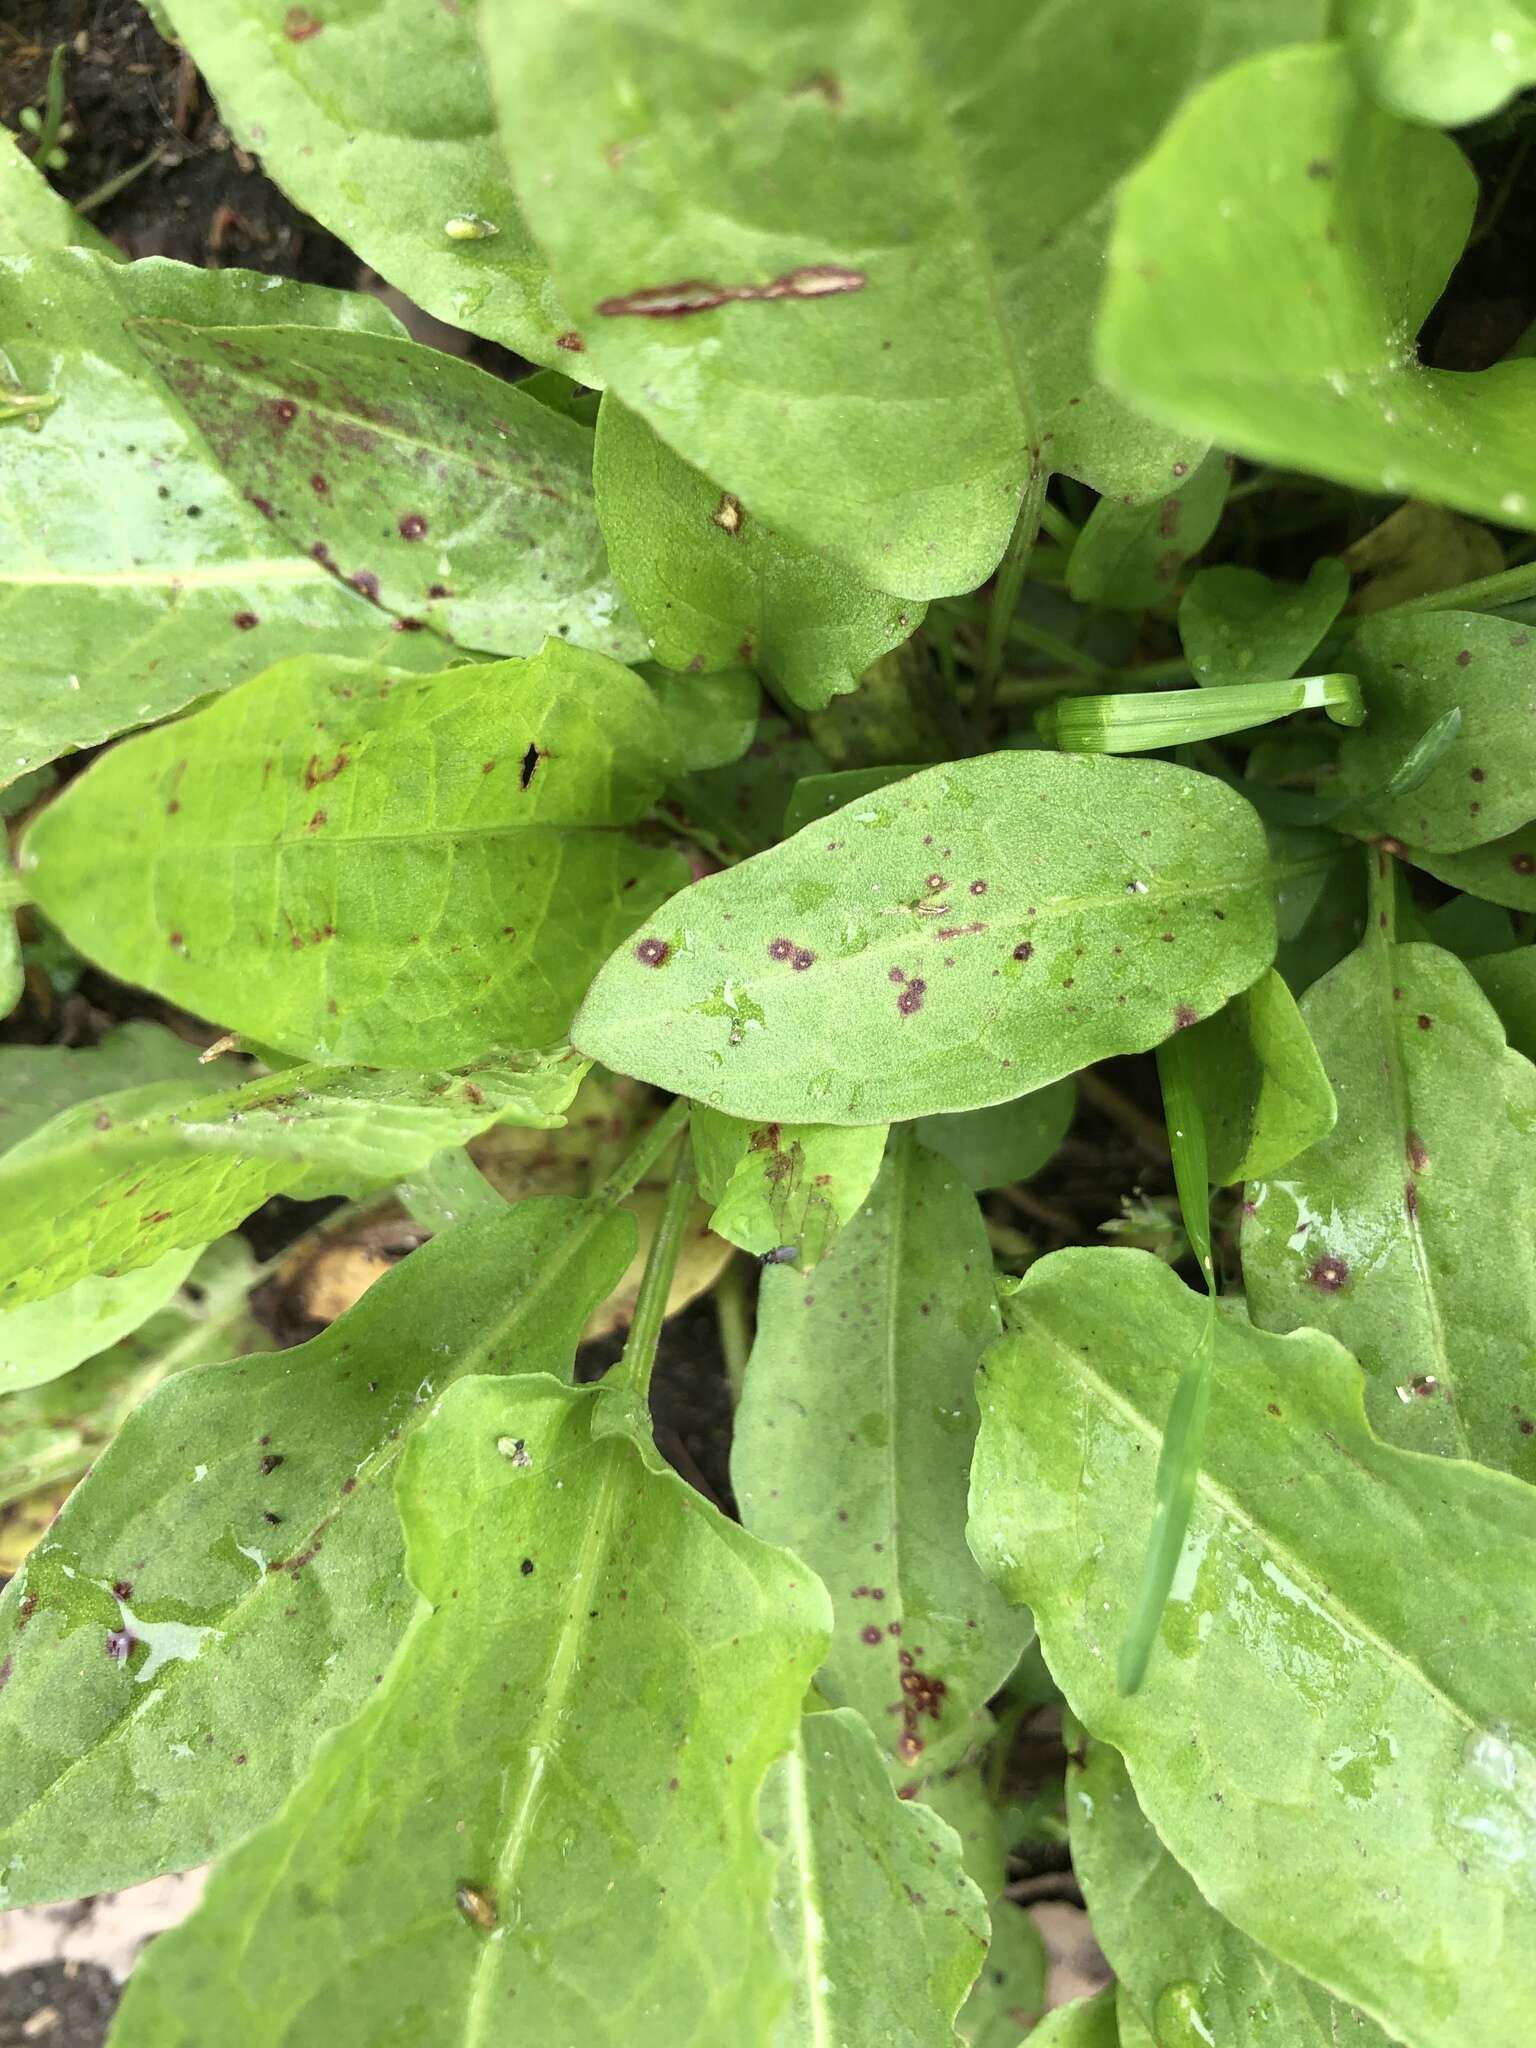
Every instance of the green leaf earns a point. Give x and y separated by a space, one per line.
1082 2023
852 1446
311 871
1394 1233
713 587
51 1433
1418 551
124 1179
959 939
1335 1742
710 720
1412 667
121 605
253 1636
1130 556
815 797
880 1927
378 122
780 1185
1443 61
12 973
1191 1976
44 1339
1011 1141
38 1081
34 216
1274 257
1508 980
1238 626
742 806
1261 1084
592 1644
1009 1995
1504 871
918 257
432 488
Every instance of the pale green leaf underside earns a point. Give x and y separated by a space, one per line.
43 1339
713 588
249 1508
124 1179
129 563
598 1677
1272 262
1174 1958
852 1445
880 1927
957 939
350 866
1402 1233
1443 61
1412 669
962 244
37 1081
778 1185
52 1432
1344 1658
1262 1087
377 121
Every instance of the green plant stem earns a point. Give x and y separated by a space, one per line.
637 1163
734 1318
634 1368
1005 595
1058 525
1483 594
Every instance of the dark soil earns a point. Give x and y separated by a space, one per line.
81 1997
129 94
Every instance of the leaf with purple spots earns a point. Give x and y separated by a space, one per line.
956 939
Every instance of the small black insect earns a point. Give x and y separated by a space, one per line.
781 1255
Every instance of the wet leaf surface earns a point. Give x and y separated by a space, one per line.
1400 1231
1273 259
1344 1655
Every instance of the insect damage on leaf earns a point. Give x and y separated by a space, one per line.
693 295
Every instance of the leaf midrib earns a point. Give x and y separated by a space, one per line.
561 1671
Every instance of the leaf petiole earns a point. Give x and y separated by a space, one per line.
634 1368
